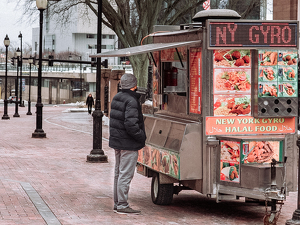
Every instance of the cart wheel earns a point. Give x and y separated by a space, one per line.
267 218
161 194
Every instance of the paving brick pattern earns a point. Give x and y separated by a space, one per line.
80 193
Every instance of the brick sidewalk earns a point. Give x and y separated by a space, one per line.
50 178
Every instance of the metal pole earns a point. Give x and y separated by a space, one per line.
296 215
16 90
29 102
5 116
97 154
80 78
21 65
39 132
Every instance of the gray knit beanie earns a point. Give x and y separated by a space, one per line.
128 81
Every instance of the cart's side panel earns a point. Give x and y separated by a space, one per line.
172 148
190 154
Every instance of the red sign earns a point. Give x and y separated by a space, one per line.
232 125
206 5
253 34
195 80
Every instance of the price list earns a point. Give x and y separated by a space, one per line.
195 80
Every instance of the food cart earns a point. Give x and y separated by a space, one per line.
225 109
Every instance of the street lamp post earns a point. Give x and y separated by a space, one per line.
80 77
97 154
16 84
296 215
21 65
39 132
30 60
6 43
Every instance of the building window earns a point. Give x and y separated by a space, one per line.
93 36
107 47
92 47
111 36
104 36
50 42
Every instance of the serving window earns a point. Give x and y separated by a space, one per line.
170 80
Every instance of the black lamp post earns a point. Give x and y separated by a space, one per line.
30 60
18 53
296 215
39 132
80 77
97 154
6 43
21 64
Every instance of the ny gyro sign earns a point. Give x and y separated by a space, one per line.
252 35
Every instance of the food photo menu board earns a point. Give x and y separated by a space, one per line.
278 73
230 161
232 82
261 151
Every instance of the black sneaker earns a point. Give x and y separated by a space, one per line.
115 209
128 210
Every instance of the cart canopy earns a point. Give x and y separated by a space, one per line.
144 49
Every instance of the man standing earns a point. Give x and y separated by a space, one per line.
127 136
90 103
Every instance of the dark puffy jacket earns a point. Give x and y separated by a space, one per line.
89 100
126 125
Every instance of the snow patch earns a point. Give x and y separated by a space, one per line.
148 102
105 120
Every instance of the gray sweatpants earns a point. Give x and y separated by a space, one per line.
124 170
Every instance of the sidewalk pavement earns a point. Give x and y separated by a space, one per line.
48 181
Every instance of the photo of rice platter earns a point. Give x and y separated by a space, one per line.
232 105
232 81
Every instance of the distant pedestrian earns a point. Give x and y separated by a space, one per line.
127 136
90 103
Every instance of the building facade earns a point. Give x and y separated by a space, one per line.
287 10
78 35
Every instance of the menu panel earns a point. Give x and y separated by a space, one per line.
232 82
155 80
195 80
278 74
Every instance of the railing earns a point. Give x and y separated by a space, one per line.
64 68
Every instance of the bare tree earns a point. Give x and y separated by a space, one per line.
246 8
131 20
